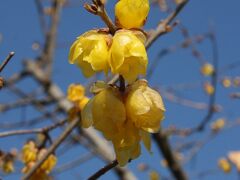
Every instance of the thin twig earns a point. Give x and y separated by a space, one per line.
5 62
163 26
102 171
32 131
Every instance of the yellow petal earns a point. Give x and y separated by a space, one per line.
146 138
108 111
86 114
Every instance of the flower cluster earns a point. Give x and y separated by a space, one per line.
31 154
125 115
125 118
7 160
123 54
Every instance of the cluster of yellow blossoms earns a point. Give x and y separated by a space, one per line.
31 154
125 116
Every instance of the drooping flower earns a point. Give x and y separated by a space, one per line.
105 112
29 152
144 106
224 165
90 52
208 88
218 124
75 92
207 69
234 157
128 55
8 166
226 82
131 13
127 143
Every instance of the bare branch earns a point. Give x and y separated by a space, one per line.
32 131
163 26
164 146
103 170
5 62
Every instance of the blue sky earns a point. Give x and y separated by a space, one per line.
19 26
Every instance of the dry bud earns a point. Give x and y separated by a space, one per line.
1 82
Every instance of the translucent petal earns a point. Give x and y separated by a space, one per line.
146 138
86 114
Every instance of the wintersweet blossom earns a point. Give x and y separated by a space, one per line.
224 165
105 112
75 92
90 52
128 55
29 152
144 106
207 69
131 13
126 119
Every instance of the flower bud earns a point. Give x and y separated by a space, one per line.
75 92
207 69
131 13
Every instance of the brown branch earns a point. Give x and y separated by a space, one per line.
165 148
103 170
6 61
98 8
32 131
50 41
53 147
163 27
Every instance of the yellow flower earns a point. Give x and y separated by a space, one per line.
131 13
234 157
208 88
226 82
144 106
90 52
105 112
218 125
49 163
224 165
75 92
207 69
126 143
83 102
154 175
29 152
7 166
128 56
